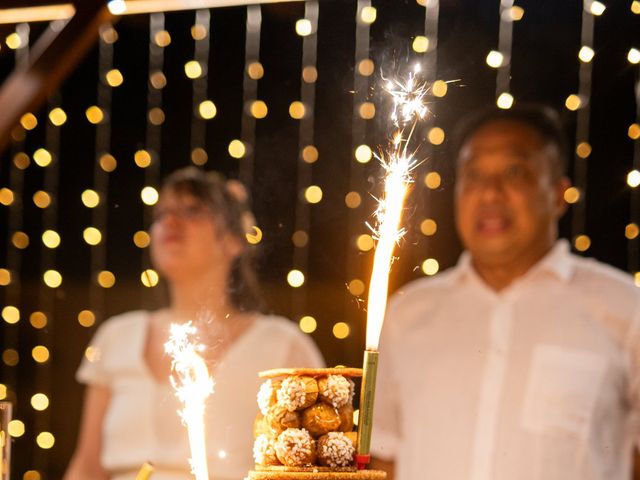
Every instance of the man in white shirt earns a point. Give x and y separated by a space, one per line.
523 361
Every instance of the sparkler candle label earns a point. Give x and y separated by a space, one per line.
398 162
192 385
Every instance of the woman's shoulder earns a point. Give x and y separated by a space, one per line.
277 324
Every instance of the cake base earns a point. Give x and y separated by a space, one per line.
317 475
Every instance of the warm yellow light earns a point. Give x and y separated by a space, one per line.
310 74
40 353
237 149
308 324
636 278
494 59
368 14
45 440
51 239
586 54
597 8
142 158
162 38
106 279
158 80
38 320
303 27
3 391
366 67
28 121
631 231
57 116
439 88
114 77
32 475
297 110
193 69
633 56
156 116
634 131
364 242
141 239
505 101
20 240
573 102
295 278
352 199
356 287
635 7
86 318
10 357
420 44
582 243
199 156
94 114
11 314
428 227
6 196
198 32
254 236
92 235
363 154
109 35
42 157
430 266
432 180
90 198
149 278
13 41
436 136
5 277
516 13
21 160
117 7
207 109
300 238
16 428
255 70
52 278
341 330
367 110
149 195
313 194
633 178
583 149
258 109
108 163
310 154
571 195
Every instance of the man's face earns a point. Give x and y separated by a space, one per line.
507 199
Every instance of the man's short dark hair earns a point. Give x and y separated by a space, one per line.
543 120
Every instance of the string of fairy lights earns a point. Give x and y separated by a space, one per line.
309 194
37 393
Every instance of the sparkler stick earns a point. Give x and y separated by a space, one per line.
398 162
145 471
192 385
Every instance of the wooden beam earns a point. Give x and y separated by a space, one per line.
52 58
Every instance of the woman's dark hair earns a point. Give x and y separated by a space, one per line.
543 120
229 202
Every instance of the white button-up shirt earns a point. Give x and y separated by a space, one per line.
540 381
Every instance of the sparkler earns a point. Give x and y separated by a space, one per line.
398 162
192 385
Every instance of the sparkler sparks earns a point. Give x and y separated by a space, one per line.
408 99
192 385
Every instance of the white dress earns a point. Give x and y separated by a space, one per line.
141 423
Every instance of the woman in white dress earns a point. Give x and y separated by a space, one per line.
198 244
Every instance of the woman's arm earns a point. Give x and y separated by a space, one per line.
85 462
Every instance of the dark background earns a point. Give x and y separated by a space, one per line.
544 69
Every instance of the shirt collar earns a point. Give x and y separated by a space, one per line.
557 262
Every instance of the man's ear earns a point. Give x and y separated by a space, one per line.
560 188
